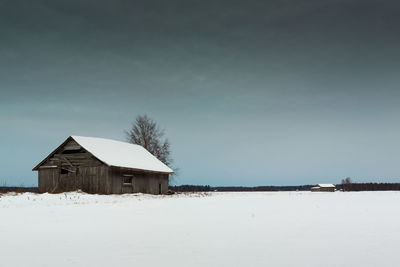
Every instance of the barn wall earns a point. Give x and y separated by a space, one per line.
87 179
327 189
93 179
323 189
101 179
142 182
48 179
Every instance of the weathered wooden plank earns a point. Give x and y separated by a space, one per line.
83 155
69 163
102 180
48 167
109 180
72 147
81 164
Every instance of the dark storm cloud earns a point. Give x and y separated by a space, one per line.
298 87
275 36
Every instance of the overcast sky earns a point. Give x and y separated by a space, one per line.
248 92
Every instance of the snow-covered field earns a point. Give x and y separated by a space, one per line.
219 229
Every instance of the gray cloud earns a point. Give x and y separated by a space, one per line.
262 92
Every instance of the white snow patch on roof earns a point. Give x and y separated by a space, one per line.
122 154
326 185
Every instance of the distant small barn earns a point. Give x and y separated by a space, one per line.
104 166
323 188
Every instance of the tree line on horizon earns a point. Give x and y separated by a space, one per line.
345 187
207 188
370 187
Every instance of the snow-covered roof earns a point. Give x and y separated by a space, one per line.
121 154
325 185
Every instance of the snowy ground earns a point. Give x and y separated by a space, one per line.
220 229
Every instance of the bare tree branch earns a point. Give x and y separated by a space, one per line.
145 132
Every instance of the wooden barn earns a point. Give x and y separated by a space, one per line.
103 166
323 188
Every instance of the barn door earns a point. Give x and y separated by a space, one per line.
127 183
66 180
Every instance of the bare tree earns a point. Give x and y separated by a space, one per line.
346 184
145 132
346 181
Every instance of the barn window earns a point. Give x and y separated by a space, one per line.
127 179
71 151
64 171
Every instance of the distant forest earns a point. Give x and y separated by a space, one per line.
207 188
344 187
370 187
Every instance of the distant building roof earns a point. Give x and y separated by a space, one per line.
325 185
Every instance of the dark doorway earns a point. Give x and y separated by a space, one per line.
159 189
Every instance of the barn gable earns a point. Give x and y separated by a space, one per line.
69 155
